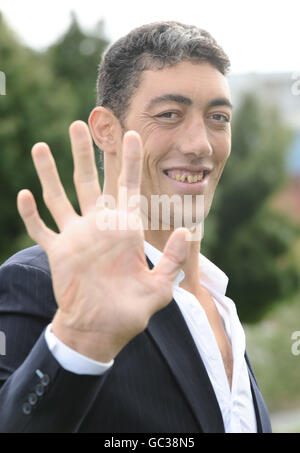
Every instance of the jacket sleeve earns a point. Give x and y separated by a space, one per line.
36 394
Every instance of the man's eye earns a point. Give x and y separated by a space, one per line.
221 118
169 115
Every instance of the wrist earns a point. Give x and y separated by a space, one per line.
89 344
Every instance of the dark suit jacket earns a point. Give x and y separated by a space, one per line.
158 382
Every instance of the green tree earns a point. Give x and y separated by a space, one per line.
45 92
35 108
244 237
75 58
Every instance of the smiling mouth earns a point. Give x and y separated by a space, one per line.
187 177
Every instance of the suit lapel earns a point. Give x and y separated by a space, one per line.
171 335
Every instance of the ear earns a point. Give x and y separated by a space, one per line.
106 129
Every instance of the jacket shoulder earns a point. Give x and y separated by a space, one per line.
26 284
32 256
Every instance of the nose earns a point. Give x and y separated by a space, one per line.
195 140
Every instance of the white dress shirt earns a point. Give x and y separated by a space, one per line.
236 404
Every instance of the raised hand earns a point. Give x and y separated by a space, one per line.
104 289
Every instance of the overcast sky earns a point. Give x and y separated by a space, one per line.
258 35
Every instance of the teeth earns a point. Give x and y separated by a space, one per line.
187 178
194 178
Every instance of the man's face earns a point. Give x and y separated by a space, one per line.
182 114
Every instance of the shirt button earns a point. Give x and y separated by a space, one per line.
26 409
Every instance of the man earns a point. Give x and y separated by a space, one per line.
100 337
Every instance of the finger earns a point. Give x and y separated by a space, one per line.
85 171
174 256
131 172
53 191
35 227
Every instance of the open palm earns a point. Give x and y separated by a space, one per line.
104 289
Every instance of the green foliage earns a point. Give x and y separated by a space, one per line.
39 105
245 238
75 58
33 109
269 346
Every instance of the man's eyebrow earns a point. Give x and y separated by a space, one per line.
187 101
169 97
219 102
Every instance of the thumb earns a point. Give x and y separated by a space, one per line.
175 254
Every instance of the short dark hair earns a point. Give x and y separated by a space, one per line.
151 46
